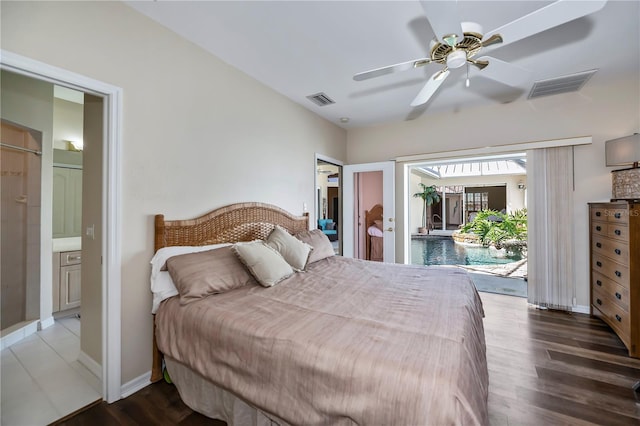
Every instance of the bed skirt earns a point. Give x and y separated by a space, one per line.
202 396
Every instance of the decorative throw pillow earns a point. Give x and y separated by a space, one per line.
322 247
378 224
264 262
198 275
294 251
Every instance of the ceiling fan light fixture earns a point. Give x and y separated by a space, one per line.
456 59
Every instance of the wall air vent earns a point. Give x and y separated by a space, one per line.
321 99
564 84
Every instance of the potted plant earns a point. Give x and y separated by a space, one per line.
429 195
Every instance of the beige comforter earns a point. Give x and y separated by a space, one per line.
348 342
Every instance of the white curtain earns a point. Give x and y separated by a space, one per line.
551 281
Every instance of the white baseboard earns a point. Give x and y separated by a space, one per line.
581 309
14 334
136 384
90 364
46 323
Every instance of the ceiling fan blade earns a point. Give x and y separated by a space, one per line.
494 39
480 64
444 20
430 87
550 16
504 72
403 66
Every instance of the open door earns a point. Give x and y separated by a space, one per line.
350 200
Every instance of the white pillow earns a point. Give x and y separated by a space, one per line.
264 262
162 285
294 251
374 231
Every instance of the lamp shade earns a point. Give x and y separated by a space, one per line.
623 151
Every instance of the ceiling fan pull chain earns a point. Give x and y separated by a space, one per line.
466 83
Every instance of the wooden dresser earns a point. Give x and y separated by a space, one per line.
615 268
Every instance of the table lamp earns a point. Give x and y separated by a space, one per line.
625 183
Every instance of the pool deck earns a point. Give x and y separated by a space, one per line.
434 233
510 270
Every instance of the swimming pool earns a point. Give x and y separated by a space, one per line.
444 251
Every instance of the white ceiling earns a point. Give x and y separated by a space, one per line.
299 48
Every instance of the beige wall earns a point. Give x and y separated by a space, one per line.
197 133
67 122
602 109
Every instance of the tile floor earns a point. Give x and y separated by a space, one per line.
41 379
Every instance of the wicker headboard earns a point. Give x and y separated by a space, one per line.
229 224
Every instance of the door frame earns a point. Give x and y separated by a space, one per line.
388 169
111 201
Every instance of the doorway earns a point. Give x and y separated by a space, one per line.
477 221
328 200
368 212
354 206
67 343
110 250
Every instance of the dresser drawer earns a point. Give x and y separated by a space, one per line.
612 314
70 258
599 213
613 249
614 291
612 270
617 215
609 214
617 231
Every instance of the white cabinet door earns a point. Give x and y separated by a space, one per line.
67 202
70 286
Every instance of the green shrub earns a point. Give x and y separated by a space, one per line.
494 227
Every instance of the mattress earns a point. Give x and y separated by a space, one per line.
346 342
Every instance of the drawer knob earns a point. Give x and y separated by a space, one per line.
598 228
618 252
599 264
618 296
619 318
617 215
599 302
599 283
598 214
617 232
618 274
70 258
599 245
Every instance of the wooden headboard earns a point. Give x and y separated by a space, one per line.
229 224
370 216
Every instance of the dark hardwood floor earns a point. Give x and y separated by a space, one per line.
545 368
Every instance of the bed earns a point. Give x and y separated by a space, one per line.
342 341
374 237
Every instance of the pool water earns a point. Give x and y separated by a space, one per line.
444 251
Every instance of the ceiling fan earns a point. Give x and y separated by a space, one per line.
458 43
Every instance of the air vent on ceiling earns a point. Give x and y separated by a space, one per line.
564 84
321 99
